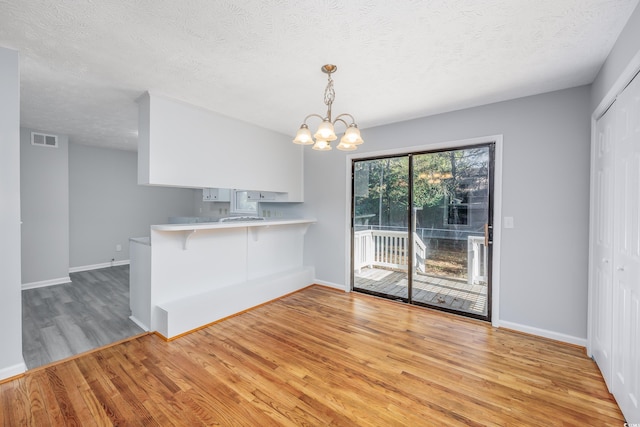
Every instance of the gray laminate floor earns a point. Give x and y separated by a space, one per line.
62 320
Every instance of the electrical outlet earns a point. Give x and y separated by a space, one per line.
118 248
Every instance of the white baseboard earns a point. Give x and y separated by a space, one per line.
97 266
12 371
43 283
332 285
501 323
67 279
582 342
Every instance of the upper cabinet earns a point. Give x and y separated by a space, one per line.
186 146
261 196
216 195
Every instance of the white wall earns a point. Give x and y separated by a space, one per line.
545 188
107 206
11 361
44 199
625 49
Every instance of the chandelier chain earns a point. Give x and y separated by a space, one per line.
329 93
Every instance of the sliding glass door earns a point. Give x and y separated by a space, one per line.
421 228
380 227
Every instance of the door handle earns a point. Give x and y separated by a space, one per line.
620 268
487 230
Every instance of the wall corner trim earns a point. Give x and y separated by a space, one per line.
621 82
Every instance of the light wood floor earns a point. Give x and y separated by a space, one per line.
63 320
321 357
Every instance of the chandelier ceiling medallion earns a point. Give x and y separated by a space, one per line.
326 132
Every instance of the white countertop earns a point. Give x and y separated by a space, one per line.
231 224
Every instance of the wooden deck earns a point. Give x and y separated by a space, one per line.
436 291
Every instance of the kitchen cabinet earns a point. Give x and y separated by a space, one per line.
216 195
261 196
213 151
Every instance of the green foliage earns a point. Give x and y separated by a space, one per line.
382 185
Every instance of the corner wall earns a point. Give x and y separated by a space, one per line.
545 175
626 48
44 200
107 206
11 361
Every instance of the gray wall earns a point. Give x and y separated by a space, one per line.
545 189
107 206
44 199
625 48
11 361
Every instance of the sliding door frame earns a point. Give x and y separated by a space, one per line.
496 213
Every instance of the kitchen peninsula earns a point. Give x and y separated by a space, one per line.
185 276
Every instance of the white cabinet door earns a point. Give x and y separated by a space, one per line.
626 274
222 194
216 195
267 195
261 195
602 241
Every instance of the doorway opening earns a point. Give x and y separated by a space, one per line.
421 228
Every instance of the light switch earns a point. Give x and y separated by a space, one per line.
508 222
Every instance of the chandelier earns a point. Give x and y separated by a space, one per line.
326 132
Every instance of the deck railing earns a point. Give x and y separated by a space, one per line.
383 248
386 248
477 260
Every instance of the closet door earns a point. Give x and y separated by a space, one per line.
602 240
626 241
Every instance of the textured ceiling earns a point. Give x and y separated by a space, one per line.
84 63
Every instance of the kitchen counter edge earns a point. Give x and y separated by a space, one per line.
230 224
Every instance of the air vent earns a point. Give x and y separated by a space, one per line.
44 140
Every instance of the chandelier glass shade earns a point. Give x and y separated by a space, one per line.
326 133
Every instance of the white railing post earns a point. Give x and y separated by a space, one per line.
369 249
419 253
476 260
362 250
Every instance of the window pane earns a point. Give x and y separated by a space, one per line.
241 204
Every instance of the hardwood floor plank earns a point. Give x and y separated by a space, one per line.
321 357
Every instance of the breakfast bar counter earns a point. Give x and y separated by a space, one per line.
189 275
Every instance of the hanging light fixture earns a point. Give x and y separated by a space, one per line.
326 131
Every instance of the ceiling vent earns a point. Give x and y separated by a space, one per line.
44 140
